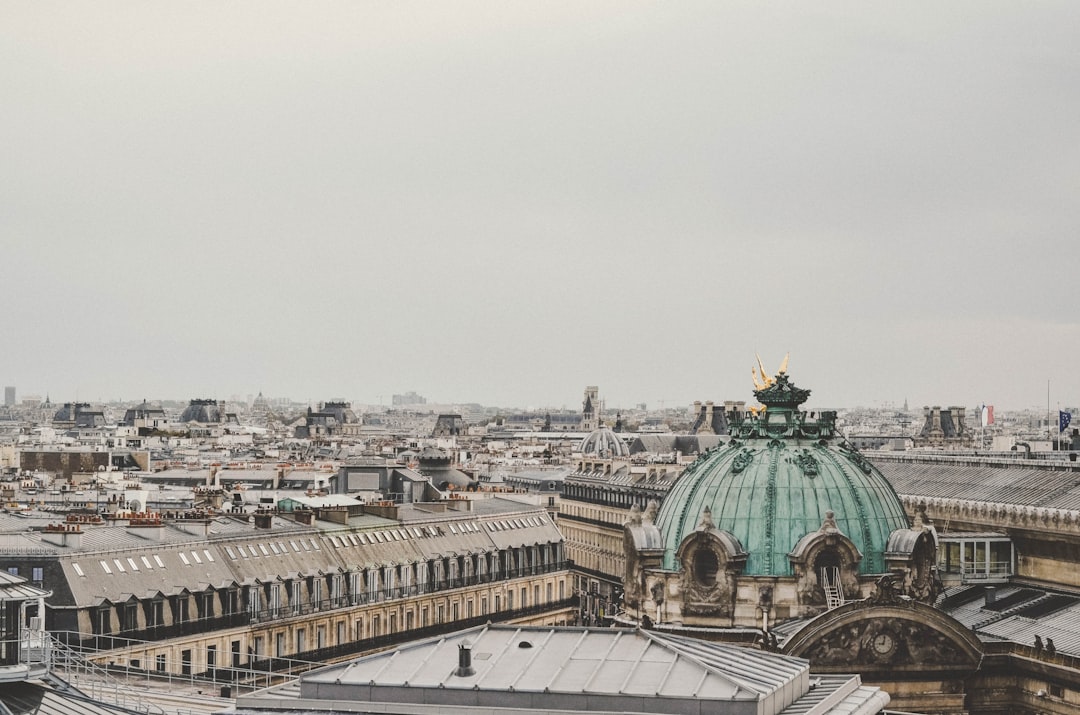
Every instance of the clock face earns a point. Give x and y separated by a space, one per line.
883 644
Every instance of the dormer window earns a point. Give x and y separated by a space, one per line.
705 567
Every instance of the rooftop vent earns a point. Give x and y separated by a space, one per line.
464 669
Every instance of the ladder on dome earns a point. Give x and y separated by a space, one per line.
830 581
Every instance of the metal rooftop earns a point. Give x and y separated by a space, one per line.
546 669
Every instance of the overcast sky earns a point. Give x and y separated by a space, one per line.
506 202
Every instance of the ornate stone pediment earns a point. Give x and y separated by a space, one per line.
711 560
866 637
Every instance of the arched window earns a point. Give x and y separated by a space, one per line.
826 559
705 567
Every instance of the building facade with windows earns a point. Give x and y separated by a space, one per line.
195 592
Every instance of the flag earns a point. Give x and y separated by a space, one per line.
986 415
1064 418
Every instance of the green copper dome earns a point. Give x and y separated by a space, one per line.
776 481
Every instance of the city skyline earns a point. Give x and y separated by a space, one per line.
385 401
503 204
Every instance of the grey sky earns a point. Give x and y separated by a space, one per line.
505 202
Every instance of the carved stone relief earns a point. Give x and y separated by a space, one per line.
886 642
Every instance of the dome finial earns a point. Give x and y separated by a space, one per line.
781 392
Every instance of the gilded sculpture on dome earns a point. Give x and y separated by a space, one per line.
782 392
778 390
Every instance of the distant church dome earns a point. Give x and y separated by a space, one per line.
605 443
782 477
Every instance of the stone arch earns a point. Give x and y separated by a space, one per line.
711 561
819 549
912 554
886 638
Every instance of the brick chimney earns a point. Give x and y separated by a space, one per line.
148 526
67 535
264 519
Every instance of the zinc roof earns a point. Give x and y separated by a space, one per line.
576 660
1018 613
1051 486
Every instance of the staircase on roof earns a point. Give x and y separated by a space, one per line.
830 581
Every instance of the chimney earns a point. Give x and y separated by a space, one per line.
264 519
989 595
149 526
464 669
69 535
196 523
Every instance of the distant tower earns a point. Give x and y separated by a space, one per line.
9 397
590 409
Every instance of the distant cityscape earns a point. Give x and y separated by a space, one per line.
208 554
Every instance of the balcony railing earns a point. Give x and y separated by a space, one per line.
29 653
994 571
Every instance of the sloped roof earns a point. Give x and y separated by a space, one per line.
1017 614
17 588
561 669
1016 482
602 664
